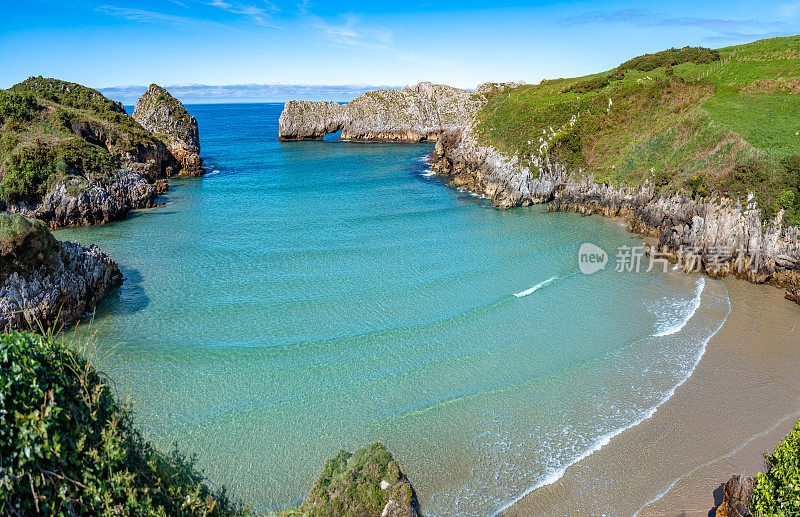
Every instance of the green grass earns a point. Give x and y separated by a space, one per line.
768 122
686 126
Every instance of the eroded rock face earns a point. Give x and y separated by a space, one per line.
413 114
78 203
737 494
368 482
159 112
45 283
725 238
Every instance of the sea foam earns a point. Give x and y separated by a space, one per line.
676 324
535 288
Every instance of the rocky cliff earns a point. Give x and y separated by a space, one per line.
413 114
716 235
45 283
71 157
158 111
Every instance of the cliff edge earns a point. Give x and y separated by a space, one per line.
71 157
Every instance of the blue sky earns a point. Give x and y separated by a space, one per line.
464 43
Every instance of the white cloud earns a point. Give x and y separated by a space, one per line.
142 16
256 14
353 33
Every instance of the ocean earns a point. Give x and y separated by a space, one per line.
307 297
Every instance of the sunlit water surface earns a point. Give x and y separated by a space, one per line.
307 297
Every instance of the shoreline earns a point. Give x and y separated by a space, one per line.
703 433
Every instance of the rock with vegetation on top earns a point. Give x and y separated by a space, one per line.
72 157
712 197
413 114
45 283
158 111
737 495
366 483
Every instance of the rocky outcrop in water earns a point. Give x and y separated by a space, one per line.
367 483
159 112
45 283
413 114
75 202
93 162
737 494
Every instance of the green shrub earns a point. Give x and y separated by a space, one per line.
67 448
786 199
667 58
8 142
567 149
777 492
26 172
791 166
17 107
33 169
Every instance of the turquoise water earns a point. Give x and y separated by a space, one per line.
307 297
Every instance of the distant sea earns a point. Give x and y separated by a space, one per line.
307 297
247 93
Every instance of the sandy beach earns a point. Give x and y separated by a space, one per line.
741 400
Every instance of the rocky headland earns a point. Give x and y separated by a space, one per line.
96 162
716 235
414 114
714 202
161 113
45 283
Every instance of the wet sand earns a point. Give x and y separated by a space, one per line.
741 400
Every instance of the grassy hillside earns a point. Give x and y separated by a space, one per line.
693 120
52 130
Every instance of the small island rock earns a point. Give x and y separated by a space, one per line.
158 111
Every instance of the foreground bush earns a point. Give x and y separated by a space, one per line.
67 448
778 491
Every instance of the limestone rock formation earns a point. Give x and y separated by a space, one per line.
75 202
716 236
413 114
722 237
737 494
158 111
367 483
45 283
94 162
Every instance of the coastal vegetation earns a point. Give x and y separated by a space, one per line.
777 491
67 447
693 120
52 131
